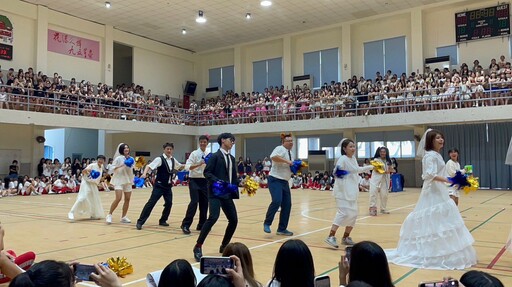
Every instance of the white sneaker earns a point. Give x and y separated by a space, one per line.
71 216
347 241
383 211
108 219
331 240
125 220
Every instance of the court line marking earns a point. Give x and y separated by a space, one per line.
277 241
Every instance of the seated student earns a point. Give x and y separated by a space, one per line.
474 278
44 186
178 273
242 252
296 181
71 185
325 183
59 186
294 266
364 183
263 181
367 263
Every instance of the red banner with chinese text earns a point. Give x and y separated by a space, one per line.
74 46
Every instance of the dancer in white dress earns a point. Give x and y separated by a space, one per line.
379 182
88 201
433 236
346 191
122 179
452 166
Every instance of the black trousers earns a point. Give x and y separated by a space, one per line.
198 195
158 191
229 209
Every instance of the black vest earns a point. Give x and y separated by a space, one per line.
164 172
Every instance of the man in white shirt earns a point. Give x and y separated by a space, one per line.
197 187
279 176
166 165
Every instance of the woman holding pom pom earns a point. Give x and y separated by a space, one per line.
379 182
122 180
88 201
433 236
452 166
280 174
346 191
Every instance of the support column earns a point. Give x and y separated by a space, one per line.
238 69
42 41
287 62
108 51
346 58
416 51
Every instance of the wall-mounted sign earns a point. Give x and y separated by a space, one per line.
73 46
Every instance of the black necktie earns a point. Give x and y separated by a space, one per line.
227 161
228 165
290 154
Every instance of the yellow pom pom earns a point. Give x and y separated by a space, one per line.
120 266
250 186
378 166
474 184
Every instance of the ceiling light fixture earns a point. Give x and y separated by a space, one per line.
183 31
266 3
248 16
108 5
200 18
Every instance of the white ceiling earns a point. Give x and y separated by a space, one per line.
163 20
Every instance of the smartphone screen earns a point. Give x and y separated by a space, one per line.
348 253
83 272
449 283
322 281
216 265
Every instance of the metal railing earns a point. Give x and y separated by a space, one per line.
302 109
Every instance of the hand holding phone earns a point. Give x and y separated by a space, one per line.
83 271
443 283
215 265
322 281
348 253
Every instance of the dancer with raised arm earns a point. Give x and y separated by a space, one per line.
122 180
433 235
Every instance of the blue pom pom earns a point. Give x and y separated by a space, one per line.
460 180
340 173
296 166
222 188
94 174
207 158
129 162
138 181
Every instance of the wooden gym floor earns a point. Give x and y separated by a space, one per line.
40 224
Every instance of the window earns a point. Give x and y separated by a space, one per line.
302 148
322 65
383 55
223 77
329 151
313 143
214 147
267 73
397 149
449 51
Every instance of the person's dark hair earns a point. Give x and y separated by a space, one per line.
215 281
455 150
377 153
284 136
344 144
121 149
369 263
358 283
178 273
242 252
204 137
7 180
474 278
429 139
294 265
101 156
47 273
168 145
225 136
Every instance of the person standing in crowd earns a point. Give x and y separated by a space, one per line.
452 166
14 169
278 186
165 165
88 201
426 236
379 182
197 187
220 168
346 191
122 179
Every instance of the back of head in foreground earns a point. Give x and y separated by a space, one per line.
368 263
47 273
294 265
242 252
178 273
476 278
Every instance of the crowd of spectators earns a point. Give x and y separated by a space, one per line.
435 89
